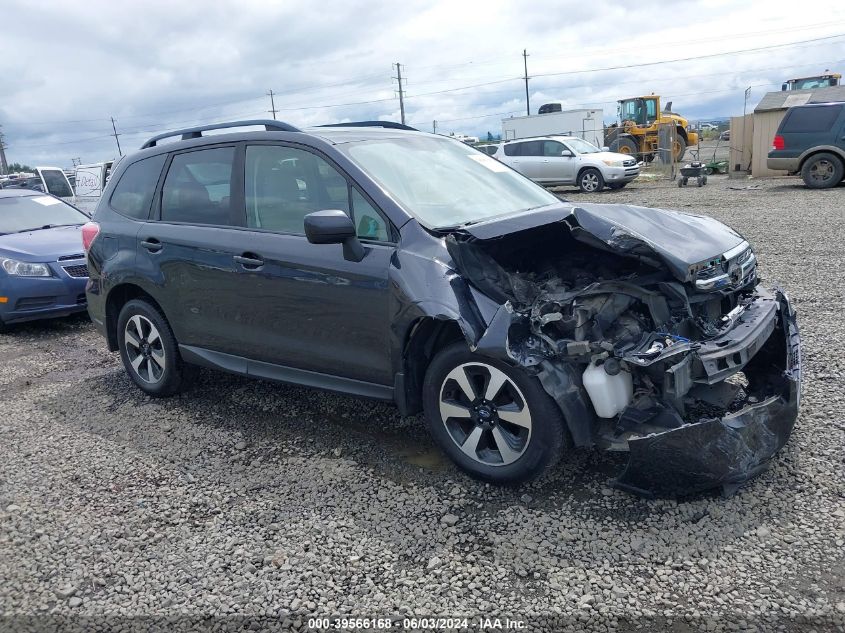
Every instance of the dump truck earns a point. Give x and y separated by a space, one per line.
811 83
636 133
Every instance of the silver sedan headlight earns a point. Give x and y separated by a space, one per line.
25 269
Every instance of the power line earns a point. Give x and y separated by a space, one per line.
687 59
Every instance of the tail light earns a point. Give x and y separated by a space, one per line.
90 230
778 142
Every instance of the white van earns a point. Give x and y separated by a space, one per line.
92 179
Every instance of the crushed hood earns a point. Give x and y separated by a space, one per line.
678 239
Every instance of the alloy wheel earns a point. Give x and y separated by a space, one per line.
485 414
589 181
144 349
822 170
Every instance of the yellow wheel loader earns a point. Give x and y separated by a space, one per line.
637 134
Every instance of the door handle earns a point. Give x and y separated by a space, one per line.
249 261
151 244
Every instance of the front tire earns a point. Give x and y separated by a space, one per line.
494 421
822 171
590 180
149 351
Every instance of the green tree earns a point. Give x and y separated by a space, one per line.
16 167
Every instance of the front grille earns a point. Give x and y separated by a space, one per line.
629 162
67 258
34 303
81 270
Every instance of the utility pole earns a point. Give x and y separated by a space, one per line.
434 126
525 64
745 103
4 166
116 140
401 92
272 104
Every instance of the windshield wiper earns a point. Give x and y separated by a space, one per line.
45 226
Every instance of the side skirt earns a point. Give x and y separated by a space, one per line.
280 373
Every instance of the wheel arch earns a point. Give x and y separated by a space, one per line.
822 149
426 336
118 297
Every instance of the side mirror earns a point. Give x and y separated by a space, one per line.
334 227
605 148
567 154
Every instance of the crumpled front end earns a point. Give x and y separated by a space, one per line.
692 367
727 451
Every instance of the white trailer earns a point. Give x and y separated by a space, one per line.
585 124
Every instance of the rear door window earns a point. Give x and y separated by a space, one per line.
134 192
532 148
197 189
513 149
813 119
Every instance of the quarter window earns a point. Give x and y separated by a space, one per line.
134 191
812 119
198 186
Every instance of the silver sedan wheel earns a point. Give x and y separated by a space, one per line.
590 181
485 414
145 349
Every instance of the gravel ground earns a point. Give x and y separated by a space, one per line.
251 498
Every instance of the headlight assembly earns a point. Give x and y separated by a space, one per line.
25 269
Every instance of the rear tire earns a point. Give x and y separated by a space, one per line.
493 420
590 180
149 351
822 171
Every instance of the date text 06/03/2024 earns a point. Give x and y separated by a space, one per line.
484 624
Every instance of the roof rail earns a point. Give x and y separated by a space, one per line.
385 124
196 132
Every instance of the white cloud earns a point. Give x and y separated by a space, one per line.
160 65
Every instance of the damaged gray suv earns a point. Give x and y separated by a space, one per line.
375 260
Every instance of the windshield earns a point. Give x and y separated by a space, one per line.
580 146
20 213
445 183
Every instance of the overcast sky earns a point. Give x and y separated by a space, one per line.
154 66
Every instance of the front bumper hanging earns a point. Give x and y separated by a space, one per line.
725 452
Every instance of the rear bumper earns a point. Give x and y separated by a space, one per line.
784 164
726 452
30 299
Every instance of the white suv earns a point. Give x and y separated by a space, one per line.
567 160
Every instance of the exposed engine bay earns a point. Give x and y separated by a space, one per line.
636 346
